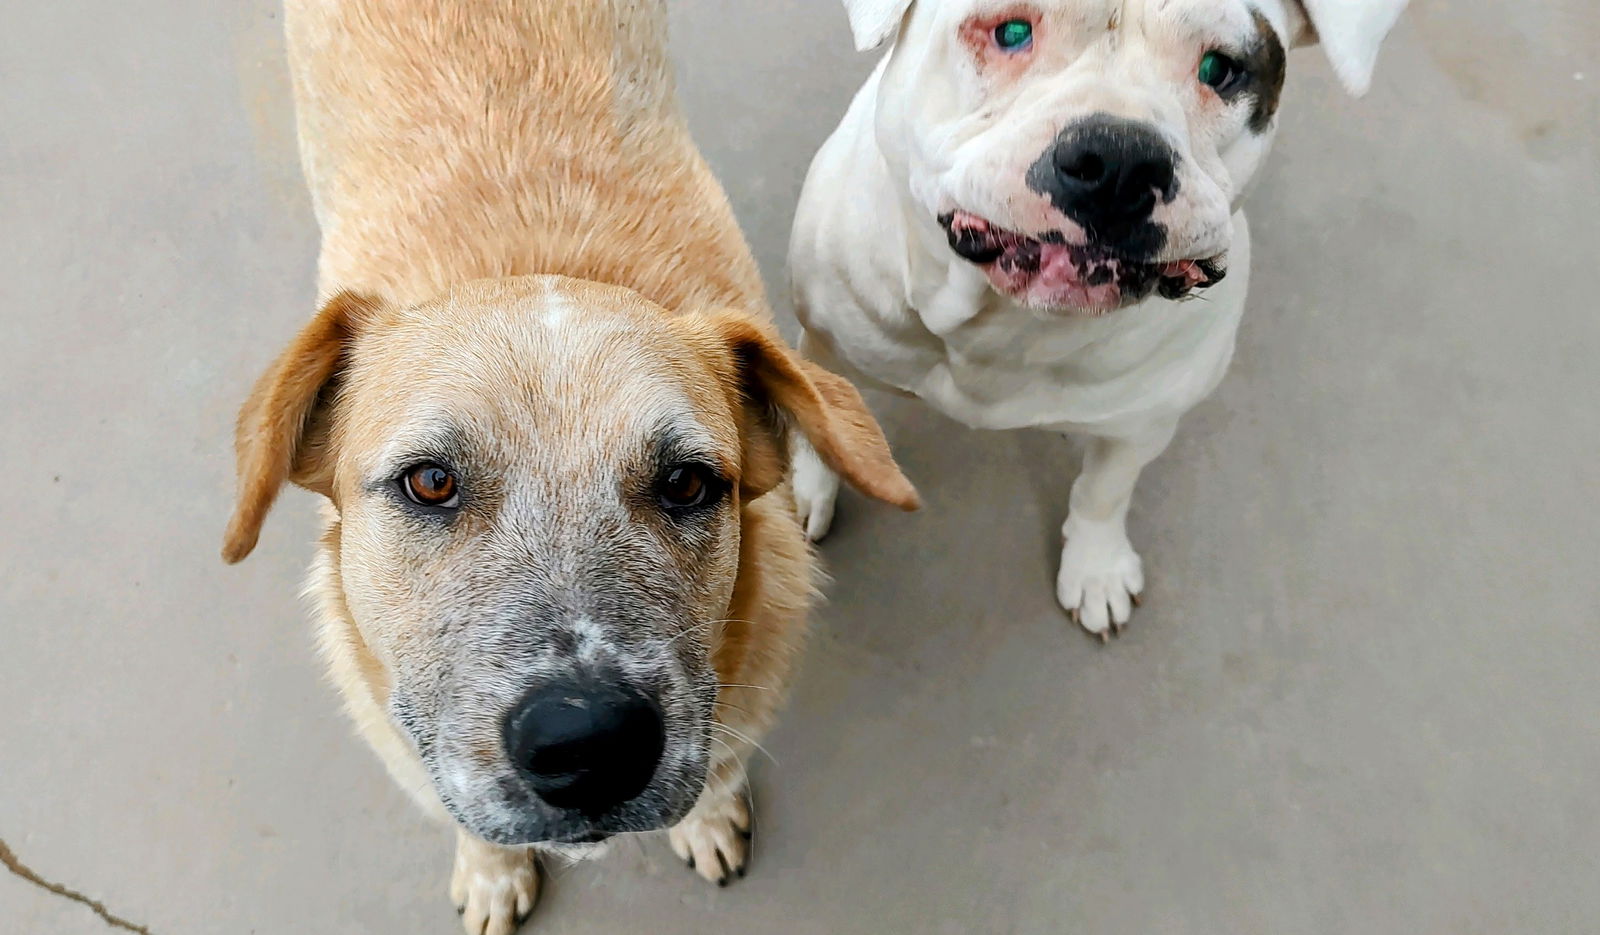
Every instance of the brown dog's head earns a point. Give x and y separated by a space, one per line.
538 484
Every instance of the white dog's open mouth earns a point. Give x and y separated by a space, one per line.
1046 272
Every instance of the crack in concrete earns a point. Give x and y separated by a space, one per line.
20 869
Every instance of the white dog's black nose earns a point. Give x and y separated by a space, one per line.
1107 174
587 746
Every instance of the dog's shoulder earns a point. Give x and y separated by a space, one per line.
447 144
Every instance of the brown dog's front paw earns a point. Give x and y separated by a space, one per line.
494 888
715 838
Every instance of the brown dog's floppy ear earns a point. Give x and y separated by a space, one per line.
823 406
280 436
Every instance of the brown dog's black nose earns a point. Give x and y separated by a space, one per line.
585 746
1107 174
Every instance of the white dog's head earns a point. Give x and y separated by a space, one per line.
1086 153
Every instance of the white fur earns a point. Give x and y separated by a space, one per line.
1350 32
881 295
874 22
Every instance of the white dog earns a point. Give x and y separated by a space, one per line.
1010 217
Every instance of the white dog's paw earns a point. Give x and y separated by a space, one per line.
1101 576
494 888
816 488
714 839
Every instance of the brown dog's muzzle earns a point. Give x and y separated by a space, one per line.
585 744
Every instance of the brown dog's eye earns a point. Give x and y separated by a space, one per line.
682 486
430 485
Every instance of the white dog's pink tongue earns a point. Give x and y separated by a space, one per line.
1187 270
961 221
1064 281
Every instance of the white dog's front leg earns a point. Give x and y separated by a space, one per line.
1101 575
816 486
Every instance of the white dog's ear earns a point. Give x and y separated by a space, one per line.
874 22
1350 32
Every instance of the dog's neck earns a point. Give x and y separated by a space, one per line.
534 141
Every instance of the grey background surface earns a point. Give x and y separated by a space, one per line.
1361 697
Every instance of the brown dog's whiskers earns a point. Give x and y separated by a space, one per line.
715 725
725 704
708 624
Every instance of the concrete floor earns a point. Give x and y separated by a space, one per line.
1362 697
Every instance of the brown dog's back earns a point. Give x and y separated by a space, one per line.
506 137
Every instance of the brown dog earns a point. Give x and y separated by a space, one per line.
561 585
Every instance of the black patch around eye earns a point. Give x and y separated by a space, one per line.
1267 63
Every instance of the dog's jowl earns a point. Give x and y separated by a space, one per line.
561 584
1018 207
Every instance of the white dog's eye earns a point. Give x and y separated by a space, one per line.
1014 35
1220 73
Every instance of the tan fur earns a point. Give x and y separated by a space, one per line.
275 417
825 407
516 137
452 151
